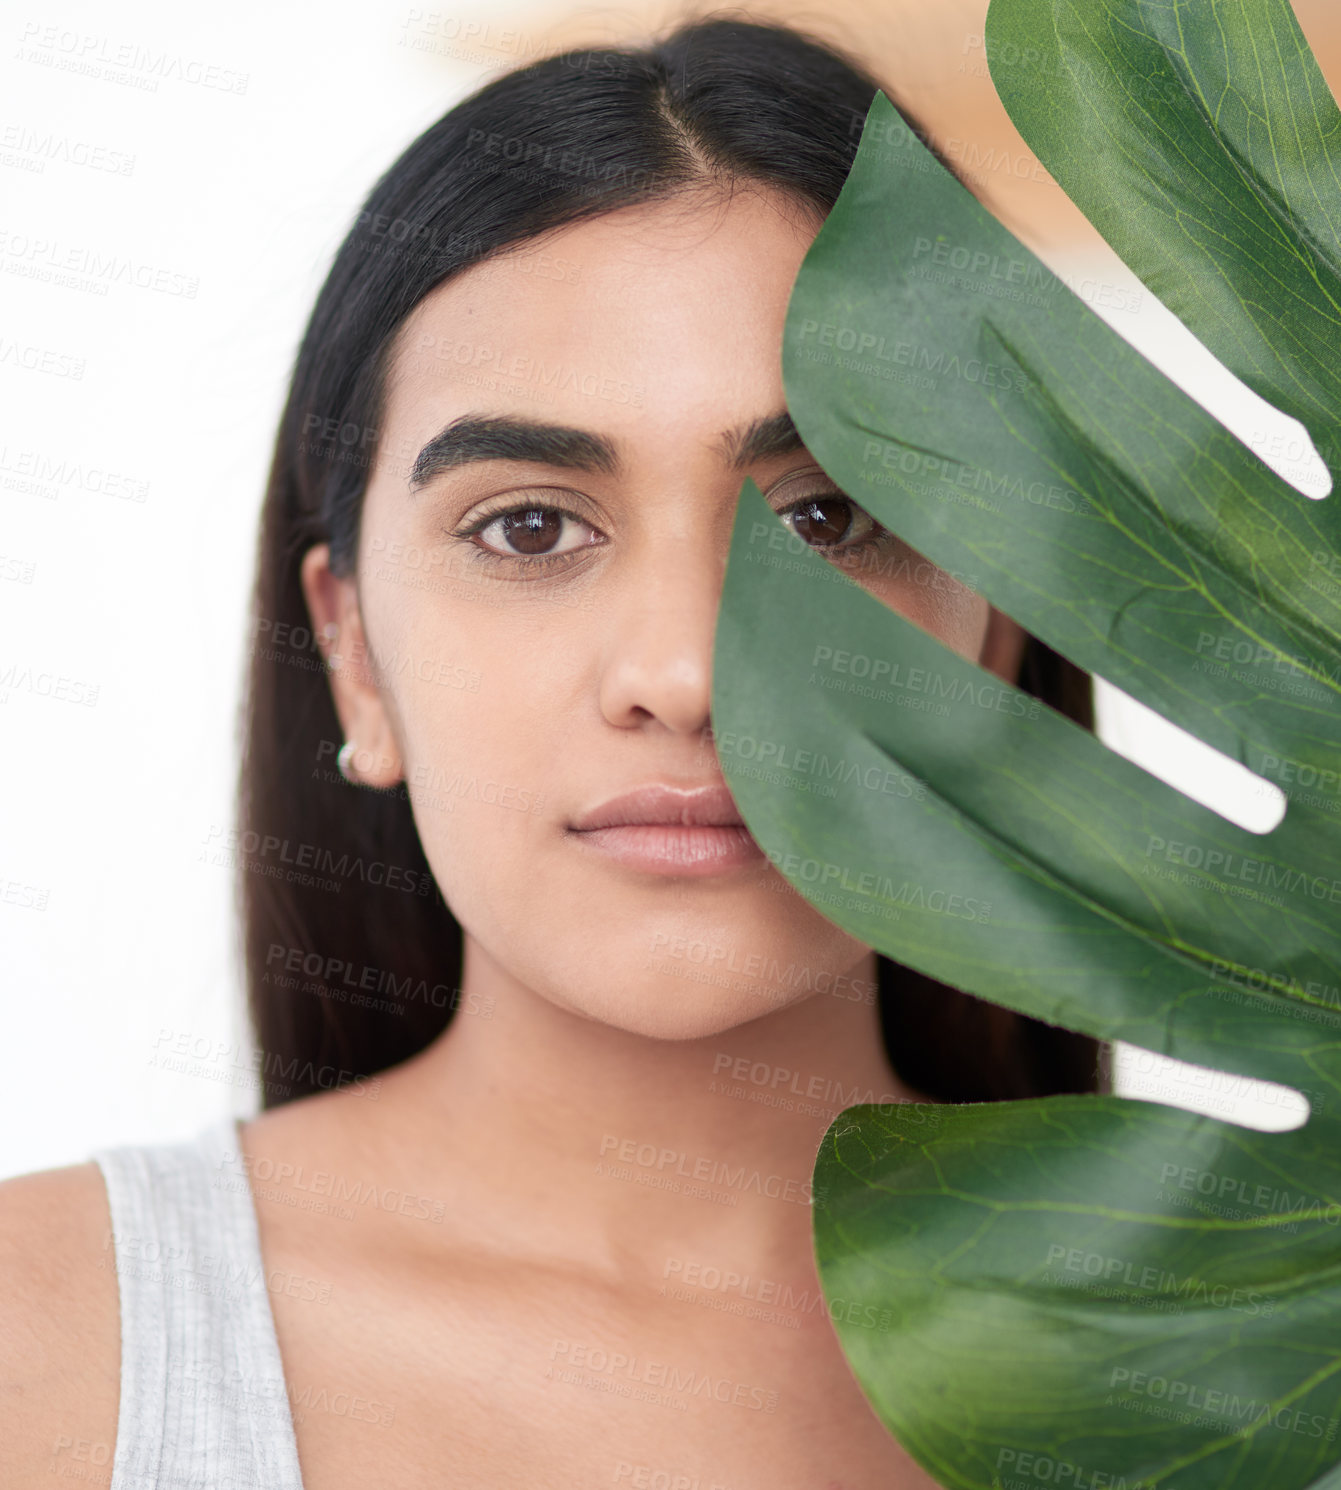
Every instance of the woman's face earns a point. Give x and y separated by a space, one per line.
518 672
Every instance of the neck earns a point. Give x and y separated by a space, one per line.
581 1144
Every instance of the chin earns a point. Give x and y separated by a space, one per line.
688 978
663 1006
668 961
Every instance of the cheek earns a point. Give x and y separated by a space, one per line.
928 596
960 619
475 772
481 700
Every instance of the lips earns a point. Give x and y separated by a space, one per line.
664 806
661 829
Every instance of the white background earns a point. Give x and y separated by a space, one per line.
105 810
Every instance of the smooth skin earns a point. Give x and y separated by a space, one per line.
551 1144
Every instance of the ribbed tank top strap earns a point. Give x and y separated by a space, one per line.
203 1398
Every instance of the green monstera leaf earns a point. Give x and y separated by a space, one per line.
1075 1291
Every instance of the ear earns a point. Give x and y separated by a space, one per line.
333 603
1003 646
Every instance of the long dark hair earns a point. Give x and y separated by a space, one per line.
352 957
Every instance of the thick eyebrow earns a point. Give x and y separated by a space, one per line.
481 437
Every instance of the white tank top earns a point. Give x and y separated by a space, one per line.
204 1405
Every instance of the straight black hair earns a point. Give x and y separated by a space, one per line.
352 957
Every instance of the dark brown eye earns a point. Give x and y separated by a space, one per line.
531 537
829 521
534 531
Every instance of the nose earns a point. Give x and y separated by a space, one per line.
658 666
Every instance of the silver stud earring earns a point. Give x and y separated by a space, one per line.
345 760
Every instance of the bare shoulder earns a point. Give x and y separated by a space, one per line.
60 1328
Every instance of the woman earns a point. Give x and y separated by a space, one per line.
547 1045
